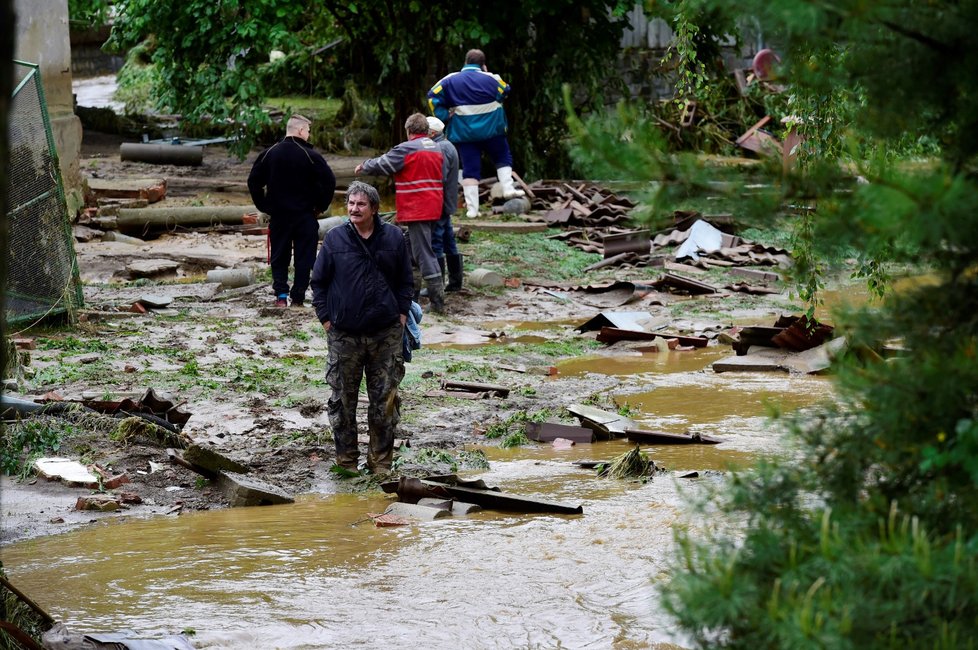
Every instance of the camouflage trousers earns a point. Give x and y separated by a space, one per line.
379 358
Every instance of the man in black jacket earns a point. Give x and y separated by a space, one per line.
292 183
362 287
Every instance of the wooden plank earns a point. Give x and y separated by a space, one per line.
609 424
474 387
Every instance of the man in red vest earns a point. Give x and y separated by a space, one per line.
416 166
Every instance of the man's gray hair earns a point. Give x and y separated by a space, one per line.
416 124
368 190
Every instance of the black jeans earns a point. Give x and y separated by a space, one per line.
288 234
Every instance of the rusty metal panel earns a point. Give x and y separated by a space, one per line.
612 335
689 285
637 241
411 490
550 431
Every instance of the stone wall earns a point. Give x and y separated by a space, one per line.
42 38
87 57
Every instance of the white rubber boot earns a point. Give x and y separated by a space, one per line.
471 193
505 175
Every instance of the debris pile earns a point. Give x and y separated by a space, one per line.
152 420
792 344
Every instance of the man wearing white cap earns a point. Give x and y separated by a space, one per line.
443 234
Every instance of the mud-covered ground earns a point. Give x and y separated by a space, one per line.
252 376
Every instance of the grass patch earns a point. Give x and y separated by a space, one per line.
23 442
301 437
469 371
511 431
524 254
528 352
73 345
431 460
315 108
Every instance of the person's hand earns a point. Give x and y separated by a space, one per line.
403 320
359 169
327 325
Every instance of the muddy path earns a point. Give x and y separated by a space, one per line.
252 376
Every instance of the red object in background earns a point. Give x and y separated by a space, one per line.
763 64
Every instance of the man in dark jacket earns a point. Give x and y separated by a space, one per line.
292 183
362 287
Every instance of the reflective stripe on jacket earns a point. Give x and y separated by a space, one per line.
416 166
469 102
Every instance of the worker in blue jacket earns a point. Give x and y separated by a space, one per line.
470 103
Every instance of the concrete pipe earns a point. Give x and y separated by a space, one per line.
327 224
162 154
485 278
145 219
232 278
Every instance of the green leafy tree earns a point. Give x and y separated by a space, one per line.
866 536
210 56
207 54
88 13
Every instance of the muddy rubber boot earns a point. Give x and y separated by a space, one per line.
418 291
455 275
444 269
436 293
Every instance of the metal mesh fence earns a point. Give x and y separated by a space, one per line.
42 271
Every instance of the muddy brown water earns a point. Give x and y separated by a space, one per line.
308 576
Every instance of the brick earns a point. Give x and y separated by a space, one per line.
244 490
100 502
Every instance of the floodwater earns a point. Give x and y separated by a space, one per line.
308 575
96 92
